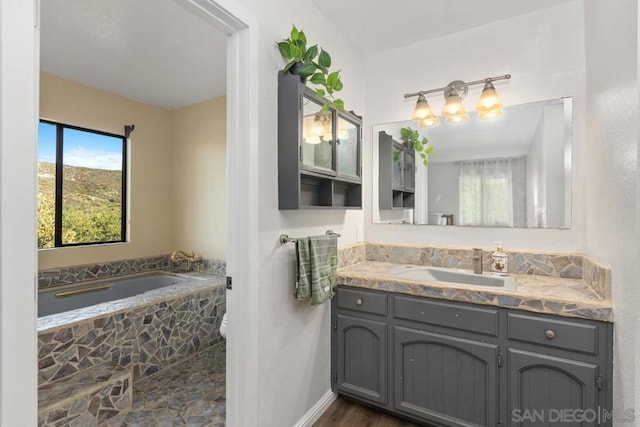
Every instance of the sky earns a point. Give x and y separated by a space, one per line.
81 148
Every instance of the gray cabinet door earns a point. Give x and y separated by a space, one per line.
450 380
546 390
361 359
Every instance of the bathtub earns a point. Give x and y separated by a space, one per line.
168 318
99 291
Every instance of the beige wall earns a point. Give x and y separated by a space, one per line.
177 171
198 159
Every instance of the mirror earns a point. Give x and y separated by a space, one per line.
514 171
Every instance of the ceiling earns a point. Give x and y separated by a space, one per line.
378 25
158 53
166 56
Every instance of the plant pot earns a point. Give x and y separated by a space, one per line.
294 70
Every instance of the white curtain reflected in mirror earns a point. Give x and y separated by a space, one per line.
486 193
510 172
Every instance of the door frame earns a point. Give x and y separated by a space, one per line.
242 404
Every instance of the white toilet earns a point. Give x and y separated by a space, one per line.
223 326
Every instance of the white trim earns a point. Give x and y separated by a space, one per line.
242 232
215 14
19 48
241 204
317 410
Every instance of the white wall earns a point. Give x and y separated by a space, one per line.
198 183
294 338
612 181
543 51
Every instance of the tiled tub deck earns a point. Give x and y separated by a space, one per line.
119 343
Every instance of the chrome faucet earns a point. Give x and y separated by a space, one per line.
476 260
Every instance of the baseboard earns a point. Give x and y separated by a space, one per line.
317 410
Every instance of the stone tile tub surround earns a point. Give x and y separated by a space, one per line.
146 332
80 273
563 265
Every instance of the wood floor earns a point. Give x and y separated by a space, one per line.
346 413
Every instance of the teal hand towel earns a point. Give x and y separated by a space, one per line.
317 263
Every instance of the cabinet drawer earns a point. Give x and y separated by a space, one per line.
564 334
362 300
450 315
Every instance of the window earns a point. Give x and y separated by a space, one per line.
81 186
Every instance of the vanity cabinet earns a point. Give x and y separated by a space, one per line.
319 154
396 174
444 378
446 356
360 343
459 364
557 365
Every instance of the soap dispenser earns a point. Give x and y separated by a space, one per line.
499 260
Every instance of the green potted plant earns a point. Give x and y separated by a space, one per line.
413 139
312 63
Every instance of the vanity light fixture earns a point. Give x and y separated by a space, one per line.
424 114
489 105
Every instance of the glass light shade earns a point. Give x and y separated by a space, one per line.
313 140
317 127
453 106
489 99
457 118
491 114
422 110
430 122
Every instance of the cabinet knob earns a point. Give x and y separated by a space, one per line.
359 301
549 334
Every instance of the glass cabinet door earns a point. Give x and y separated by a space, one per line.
397 176
410 171
317 137
347 148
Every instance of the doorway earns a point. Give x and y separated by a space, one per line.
20 47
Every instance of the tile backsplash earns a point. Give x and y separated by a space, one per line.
564 265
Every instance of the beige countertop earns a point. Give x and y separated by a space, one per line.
542 294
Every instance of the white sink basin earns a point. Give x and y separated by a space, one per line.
458 277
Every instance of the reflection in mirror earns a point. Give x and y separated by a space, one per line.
347 146
317 153
511 172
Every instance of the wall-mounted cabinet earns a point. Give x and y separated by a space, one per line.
396 174
319 155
